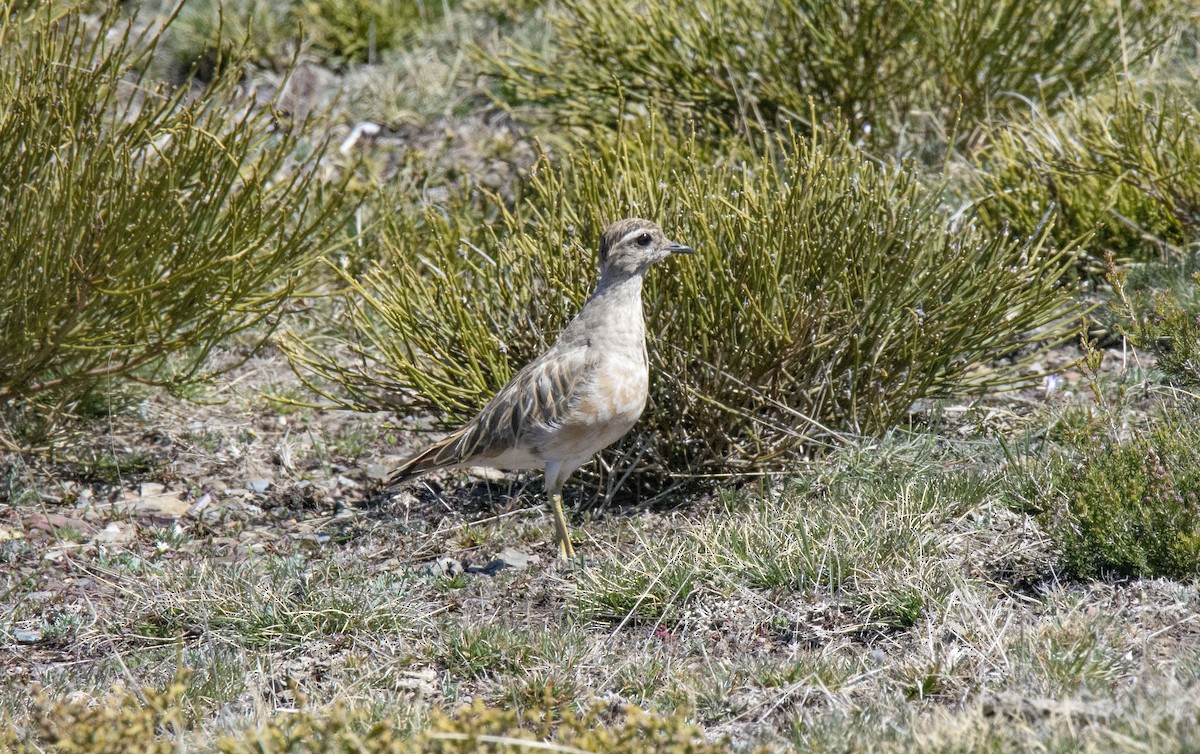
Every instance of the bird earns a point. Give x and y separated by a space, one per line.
580 396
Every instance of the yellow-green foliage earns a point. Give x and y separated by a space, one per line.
138 222
828 293
1129 508
154 722
1162 315
480 728
889 70
118 723
1123 166
268 31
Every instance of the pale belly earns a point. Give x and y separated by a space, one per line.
604 414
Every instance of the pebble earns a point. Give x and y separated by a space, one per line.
201 503
260 485
377 471
27 637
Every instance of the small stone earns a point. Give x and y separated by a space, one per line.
377 472
347 482
115 533
27 637
201 503
236 492
516 559
260 485
163 503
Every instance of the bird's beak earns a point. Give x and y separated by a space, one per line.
678 248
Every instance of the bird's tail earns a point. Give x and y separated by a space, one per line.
437 456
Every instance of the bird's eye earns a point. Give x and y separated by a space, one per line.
643 240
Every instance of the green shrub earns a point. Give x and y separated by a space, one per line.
1173 331
889 71
137 222
1121 169
1128 507
828 294
1161 314
268 31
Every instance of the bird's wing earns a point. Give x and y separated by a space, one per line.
536 399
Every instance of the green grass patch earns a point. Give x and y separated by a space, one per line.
212 33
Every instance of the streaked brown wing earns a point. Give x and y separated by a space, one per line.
538 397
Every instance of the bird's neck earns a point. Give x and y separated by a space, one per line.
615 307
618 292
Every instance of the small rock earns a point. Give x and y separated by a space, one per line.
488 474
27 637
517 559
115 533
236 492
260 485
377 472
152 488
164 503
421 681
347 482
201 503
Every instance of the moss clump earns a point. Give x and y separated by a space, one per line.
155 722
478 728
828 294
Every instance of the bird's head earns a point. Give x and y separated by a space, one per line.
631 246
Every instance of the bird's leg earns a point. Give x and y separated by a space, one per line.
562 534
